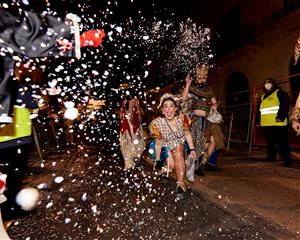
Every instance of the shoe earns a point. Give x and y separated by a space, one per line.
213 168
7 224
200 170
181 188
163 178
5 119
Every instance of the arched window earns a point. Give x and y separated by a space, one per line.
237 99
237 89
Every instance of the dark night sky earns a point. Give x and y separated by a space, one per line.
201 11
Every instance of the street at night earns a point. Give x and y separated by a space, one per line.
149 119
98 200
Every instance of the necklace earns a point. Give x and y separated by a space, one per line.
172 130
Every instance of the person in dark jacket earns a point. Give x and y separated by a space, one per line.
33 35
15 144
272 116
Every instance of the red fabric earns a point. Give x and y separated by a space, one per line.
124 123
92 38
2 184
134 119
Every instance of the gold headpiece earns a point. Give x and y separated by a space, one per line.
202 71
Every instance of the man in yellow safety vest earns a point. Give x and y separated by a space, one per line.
272 116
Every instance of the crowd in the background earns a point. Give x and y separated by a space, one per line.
187 135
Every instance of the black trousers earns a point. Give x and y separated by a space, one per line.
277 139
13 162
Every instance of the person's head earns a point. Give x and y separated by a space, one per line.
201 73
169 106
269 84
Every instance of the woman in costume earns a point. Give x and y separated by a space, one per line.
170 132
295 118
200 99
131 133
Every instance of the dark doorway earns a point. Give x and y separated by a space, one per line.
237 99
237 89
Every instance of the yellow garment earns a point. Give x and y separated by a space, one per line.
21 126
268 111
160 130
156 130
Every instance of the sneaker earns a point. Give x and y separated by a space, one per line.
213 168
200 170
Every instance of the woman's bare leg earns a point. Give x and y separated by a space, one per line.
179 163
211 147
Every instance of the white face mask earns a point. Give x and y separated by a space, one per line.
268 86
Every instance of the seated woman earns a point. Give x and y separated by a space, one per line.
171 131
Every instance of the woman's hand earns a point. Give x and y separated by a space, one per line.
188 79
296 127
64 45
193 154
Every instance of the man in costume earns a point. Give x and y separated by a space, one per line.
199 99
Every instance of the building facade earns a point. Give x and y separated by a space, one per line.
255 41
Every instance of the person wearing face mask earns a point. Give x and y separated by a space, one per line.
272 116
198 98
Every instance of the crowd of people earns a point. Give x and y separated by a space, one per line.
25 34
188 128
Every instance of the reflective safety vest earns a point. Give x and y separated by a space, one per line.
268 110
21 126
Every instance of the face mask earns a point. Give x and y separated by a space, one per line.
268 86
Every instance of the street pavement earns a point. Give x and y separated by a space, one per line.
248 185
96 199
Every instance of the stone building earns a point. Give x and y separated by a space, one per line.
255 41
